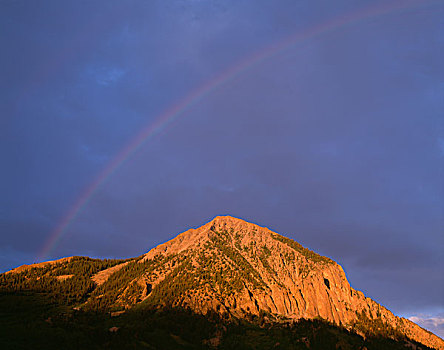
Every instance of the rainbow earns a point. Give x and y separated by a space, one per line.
195 96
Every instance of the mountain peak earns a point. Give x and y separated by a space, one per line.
234 267
239 270
230 222
196 238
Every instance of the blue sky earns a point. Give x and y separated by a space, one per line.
336 141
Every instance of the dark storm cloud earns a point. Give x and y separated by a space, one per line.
336 142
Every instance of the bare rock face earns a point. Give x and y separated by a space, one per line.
102 276
235 268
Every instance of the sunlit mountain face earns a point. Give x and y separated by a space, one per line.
227 272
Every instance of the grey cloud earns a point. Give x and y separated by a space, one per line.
434 323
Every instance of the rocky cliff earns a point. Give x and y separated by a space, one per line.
236 268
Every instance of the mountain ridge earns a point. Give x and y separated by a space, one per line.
237 269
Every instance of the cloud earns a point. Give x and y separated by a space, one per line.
105 75
434 323
93 156
110 76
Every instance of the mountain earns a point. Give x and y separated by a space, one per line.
228 269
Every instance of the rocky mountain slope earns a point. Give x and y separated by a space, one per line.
236 270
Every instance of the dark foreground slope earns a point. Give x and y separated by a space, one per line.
241 283
35 321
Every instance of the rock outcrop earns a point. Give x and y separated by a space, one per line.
236 268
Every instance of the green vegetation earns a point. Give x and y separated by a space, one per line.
71 290
132 293
217 273
105 296
245 271
79 265
263 256
304 251
376 327
173 286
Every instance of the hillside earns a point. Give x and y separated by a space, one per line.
228 269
